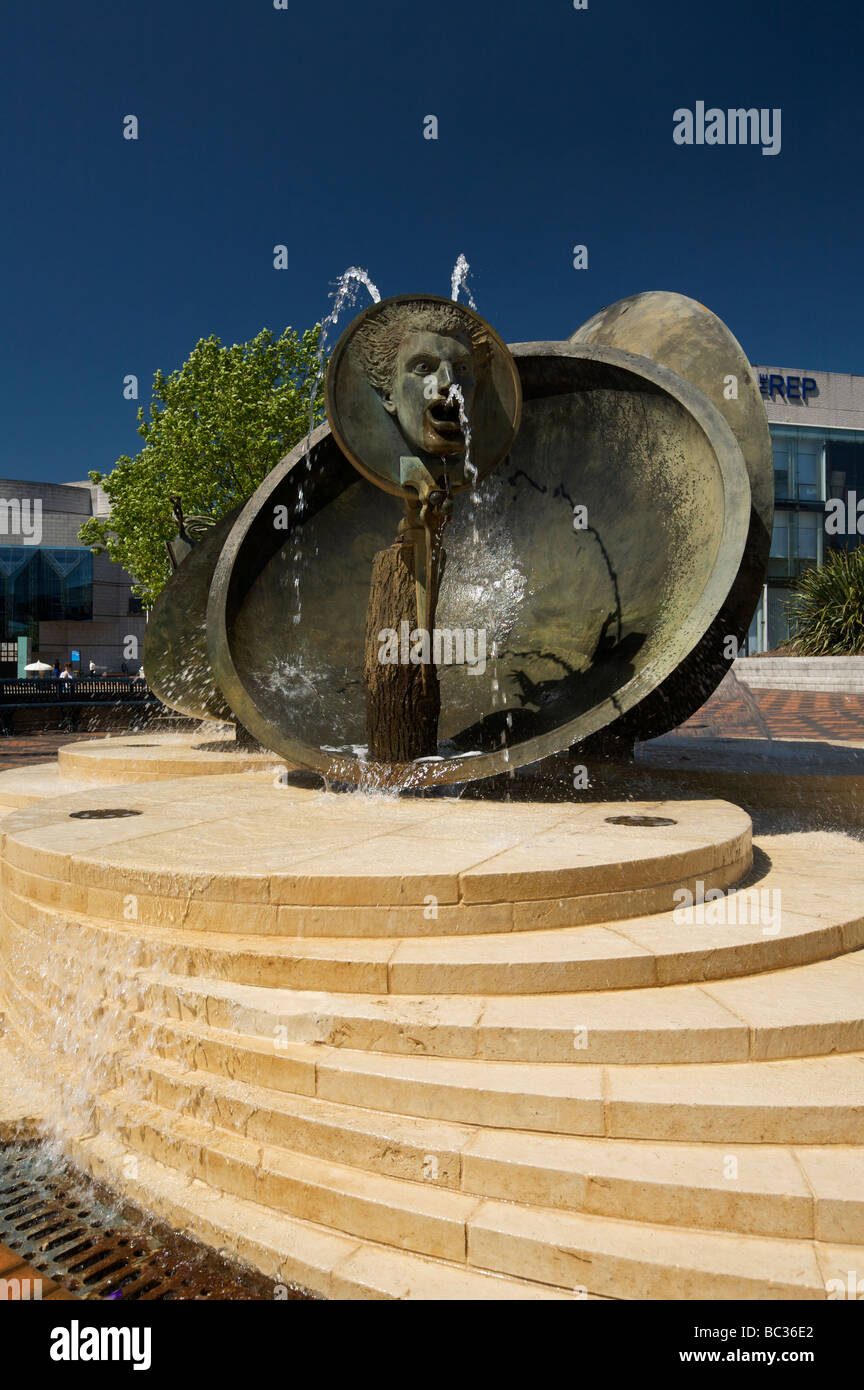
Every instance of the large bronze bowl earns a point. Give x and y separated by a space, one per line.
582 623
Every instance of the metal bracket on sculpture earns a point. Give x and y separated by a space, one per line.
422 526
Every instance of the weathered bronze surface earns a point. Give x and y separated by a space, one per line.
388 382
682 334
585 623
176 661
421 396
614 619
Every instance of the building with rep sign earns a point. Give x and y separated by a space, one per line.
816 420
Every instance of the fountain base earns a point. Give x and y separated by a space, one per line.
408 1047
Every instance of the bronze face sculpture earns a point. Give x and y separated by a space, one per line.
428 366
396 382
414 355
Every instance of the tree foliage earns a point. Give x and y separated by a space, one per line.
826 609
216 428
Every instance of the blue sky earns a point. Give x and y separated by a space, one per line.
304 127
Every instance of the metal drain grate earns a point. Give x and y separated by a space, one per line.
75 1233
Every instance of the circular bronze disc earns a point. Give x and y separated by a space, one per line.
371 437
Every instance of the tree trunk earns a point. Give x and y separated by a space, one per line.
403 700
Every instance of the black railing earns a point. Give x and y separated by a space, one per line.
87 690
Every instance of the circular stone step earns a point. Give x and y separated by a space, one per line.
250 846
21 786
161 757
639 953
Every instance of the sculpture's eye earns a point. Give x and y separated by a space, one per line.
463 367
423 367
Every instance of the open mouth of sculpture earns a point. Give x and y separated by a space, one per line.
442 419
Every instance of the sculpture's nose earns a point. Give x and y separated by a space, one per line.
445 377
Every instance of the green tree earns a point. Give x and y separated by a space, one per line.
826 608
216 427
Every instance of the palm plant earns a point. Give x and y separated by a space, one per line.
826 610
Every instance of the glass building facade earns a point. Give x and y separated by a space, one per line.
59 601
41 583
811 465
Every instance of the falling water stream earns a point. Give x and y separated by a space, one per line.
343 296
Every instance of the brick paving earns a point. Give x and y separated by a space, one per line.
22 749
746 713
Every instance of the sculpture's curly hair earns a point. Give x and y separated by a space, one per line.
378 339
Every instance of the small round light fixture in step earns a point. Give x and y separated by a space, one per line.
640 820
